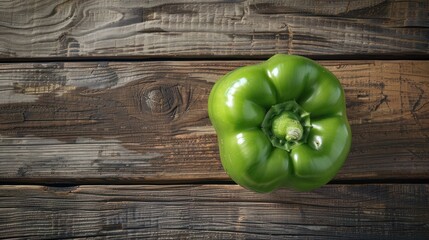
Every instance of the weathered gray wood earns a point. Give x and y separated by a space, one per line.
51 28
135 122
397 211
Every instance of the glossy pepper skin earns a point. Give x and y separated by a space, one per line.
280 123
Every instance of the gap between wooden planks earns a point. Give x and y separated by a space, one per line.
48 28
214 211
143 122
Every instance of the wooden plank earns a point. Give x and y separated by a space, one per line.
51 28
397 211
135 122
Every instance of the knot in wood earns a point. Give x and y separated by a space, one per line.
159 100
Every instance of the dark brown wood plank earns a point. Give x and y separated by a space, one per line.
397 211
135 122
51 28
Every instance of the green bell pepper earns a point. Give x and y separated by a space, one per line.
280 123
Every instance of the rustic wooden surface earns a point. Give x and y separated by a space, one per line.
104 130
51 28
215 211
147 121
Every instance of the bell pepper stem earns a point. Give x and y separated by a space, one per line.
286 126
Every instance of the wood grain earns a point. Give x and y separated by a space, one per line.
214 211
109 28
141 122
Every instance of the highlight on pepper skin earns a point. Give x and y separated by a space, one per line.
280 123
